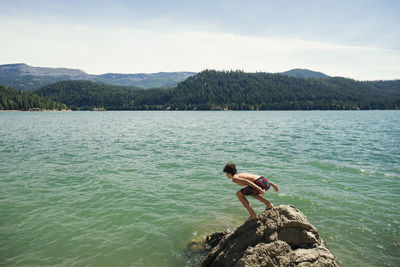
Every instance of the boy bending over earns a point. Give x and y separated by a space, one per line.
256 187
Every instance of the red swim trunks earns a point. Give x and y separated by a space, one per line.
261 182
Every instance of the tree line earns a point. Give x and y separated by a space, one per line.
231 90
12 99
87 95
238 90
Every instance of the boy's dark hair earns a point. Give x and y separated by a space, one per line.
230 168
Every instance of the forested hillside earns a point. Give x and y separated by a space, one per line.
243 91
233 90
12 99
86 95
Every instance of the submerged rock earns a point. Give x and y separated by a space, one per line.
278 237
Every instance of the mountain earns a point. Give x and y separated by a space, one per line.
233 90
25 77
304 73
26 70
146 81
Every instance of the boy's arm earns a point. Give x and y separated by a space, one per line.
241 181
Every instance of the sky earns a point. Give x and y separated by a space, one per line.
349 38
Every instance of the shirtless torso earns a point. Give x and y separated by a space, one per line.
247 176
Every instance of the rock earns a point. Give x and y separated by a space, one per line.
197 244
214 239
278 237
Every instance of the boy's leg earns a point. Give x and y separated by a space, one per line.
246 204
266 202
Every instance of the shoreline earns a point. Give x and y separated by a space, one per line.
163 110
38 110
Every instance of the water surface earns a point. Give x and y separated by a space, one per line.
132 188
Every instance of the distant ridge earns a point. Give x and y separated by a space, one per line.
304 73
24 69
144 80
25 77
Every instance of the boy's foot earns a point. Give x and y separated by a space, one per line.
269 208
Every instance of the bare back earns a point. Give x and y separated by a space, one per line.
247 176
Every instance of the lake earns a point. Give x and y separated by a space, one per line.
133 188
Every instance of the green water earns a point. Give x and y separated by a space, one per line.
132 188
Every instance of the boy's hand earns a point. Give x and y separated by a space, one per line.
262 192
276 188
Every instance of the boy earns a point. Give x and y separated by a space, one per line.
256 187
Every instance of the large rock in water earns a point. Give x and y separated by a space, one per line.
279 237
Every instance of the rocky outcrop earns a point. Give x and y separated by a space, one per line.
279 237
